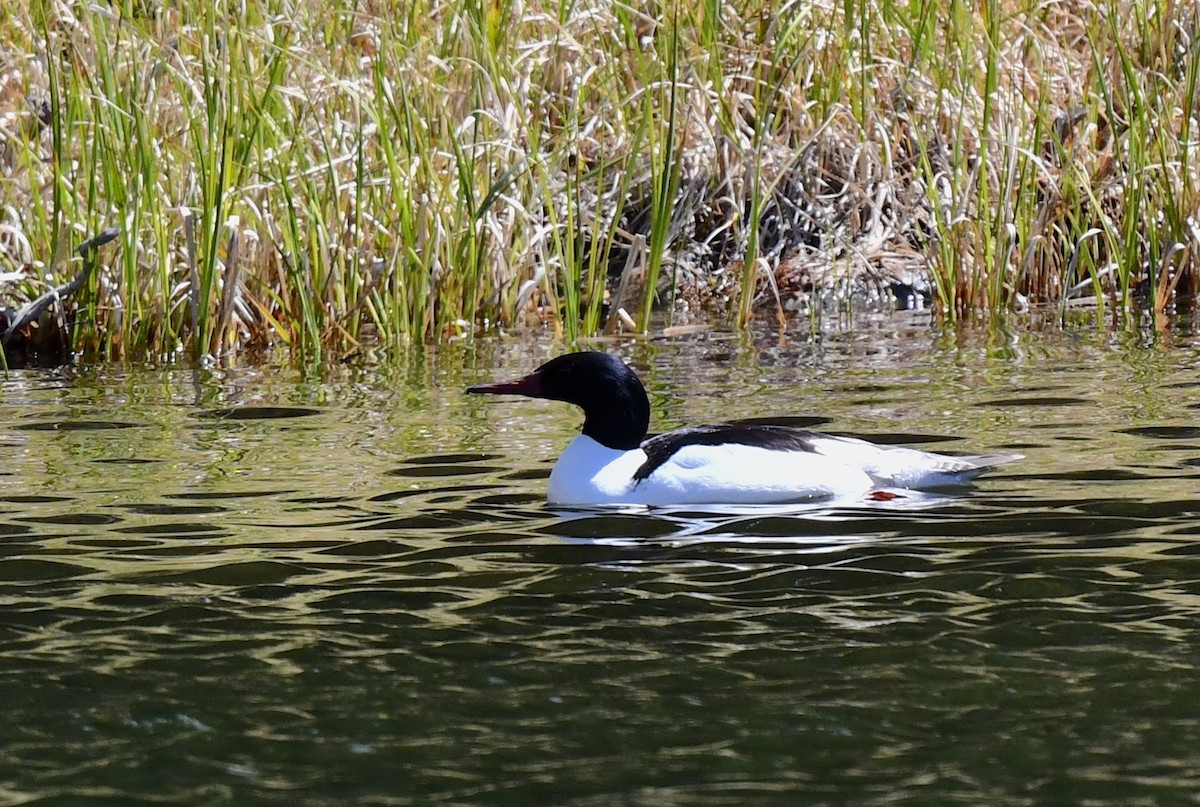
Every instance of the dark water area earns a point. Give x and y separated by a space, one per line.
262 586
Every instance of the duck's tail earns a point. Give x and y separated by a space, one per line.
920 470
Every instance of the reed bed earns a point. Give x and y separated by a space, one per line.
320 175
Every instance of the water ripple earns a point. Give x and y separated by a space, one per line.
350 614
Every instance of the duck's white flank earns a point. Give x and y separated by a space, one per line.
590 473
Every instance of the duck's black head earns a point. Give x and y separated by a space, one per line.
616 411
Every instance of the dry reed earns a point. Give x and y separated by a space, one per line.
384 171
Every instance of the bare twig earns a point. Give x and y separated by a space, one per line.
34 308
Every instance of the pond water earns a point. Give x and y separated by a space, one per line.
265 587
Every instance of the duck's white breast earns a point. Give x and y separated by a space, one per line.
589 473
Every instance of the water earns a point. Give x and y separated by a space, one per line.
256 587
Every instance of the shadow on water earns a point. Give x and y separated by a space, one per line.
353 592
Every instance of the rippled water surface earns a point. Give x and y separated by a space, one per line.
260 587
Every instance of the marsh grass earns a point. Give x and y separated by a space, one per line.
323 175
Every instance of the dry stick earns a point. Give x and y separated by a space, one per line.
189 228
33 309
765 267
634 263
363 298
1167 281
228 292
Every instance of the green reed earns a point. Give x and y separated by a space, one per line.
424 171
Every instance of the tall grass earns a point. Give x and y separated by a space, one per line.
384 171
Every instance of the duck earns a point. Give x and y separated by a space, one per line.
613 461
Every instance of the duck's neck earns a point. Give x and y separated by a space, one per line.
621 423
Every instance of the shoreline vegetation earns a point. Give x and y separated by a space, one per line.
320 175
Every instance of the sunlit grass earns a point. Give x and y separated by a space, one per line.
379 172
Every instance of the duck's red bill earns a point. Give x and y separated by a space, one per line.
529 385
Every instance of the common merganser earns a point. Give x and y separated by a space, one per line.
612 462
